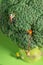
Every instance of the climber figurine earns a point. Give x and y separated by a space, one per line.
11 17
29 32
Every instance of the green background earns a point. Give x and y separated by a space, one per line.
7 53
